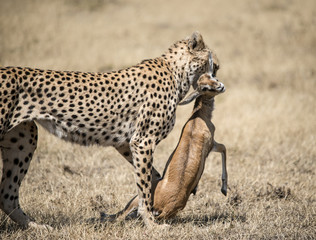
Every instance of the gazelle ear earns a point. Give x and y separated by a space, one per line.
196 41
190 98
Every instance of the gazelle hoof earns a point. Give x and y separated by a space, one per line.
224 191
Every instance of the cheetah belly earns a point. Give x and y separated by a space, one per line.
82 136
61 132
53 128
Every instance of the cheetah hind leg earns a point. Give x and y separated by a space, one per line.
17 148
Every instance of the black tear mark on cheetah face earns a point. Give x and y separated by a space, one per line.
192 55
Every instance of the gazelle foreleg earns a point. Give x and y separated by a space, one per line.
222 149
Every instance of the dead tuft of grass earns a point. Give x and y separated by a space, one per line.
271 192
234 198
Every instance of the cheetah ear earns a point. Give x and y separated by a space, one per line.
196 41
190 98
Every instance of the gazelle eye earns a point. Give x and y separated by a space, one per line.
205 88
214 71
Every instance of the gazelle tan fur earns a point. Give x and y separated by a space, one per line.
186 164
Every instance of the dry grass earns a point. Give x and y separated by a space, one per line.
266 118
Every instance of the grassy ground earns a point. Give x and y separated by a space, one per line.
266 118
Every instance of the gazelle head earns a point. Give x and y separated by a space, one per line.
208 86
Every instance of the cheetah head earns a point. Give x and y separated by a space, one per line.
201 60
190 58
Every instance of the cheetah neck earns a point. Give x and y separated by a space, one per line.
179 67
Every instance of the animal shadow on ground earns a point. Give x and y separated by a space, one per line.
206 220
197 220
56 221
7 226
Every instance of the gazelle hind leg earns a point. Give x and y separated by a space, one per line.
17 148
222 149
130 212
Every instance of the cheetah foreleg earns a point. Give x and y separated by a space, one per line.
142 161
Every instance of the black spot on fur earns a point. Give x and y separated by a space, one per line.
9 173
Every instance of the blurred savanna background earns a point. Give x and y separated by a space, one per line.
266 118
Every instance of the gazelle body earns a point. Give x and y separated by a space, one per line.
186 164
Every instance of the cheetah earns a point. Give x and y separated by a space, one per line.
131 109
